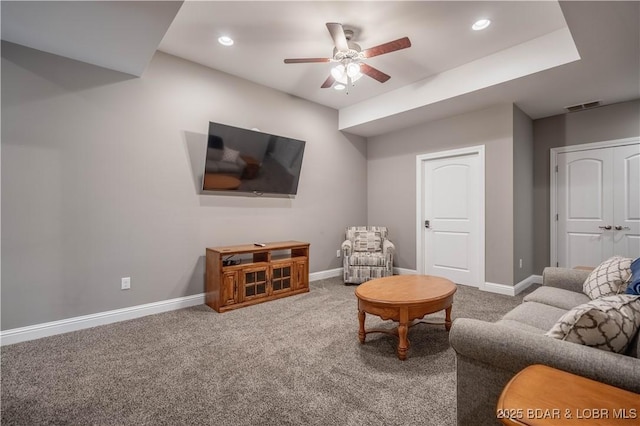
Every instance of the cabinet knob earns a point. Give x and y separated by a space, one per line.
620 228
606 228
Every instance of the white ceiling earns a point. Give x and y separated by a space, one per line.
538 54
122 36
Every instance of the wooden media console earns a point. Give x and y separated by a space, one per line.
244 275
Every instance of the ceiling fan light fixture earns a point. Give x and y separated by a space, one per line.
338 72
353 70
225 40
481 24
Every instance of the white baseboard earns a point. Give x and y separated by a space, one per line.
37 331
527 282
329 273
512 290
404 271
22 334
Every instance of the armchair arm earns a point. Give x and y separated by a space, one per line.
565 278
388 247
347 248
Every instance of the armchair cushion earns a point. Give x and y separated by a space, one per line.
367 241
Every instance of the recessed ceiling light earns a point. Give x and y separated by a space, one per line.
339 87
225 41
481 24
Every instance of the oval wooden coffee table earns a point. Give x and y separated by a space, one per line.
404 298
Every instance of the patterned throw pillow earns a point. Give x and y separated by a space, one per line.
609 278
608 323
230 155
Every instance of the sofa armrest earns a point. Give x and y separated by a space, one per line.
565 278
506 348
488 355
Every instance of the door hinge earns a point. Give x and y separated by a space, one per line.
556 217
557 264
556 169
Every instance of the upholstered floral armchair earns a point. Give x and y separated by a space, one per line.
367 253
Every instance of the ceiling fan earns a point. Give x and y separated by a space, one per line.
350 58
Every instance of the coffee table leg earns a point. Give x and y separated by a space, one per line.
361 332
403 344
447 320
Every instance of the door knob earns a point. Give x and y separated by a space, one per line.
620 228
606 228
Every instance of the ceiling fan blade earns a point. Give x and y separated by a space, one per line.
328 82
374 73
306 60
337 34
392 46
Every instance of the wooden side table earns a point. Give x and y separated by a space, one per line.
541 395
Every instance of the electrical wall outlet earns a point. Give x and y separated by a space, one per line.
125 283
338 253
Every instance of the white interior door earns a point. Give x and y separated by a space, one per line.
585 207
626 220
452 189
598 205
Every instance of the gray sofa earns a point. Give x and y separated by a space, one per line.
488 354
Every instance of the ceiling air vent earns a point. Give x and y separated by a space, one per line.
580 107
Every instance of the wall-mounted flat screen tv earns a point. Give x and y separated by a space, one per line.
242 161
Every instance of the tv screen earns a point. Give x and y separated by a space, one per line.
251 162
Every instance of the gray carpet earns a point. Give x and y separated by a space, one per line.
294 361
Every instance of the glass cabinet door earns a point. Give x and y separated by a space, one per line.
254 283
281 277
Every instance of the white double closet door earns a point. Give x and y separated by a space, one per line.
598 205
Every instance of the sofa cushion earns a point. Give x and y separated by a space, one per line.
517 325
609 278
535 314
608 323
558 297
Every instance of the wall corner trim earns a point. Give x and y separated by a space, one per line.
512 290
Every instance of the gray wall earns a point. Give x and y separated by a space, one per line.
522 195
617 121
391 182
101 176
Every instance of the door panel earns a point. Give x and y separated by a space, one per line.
451 200
585 249
585 200
447 255
626 233
598 200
